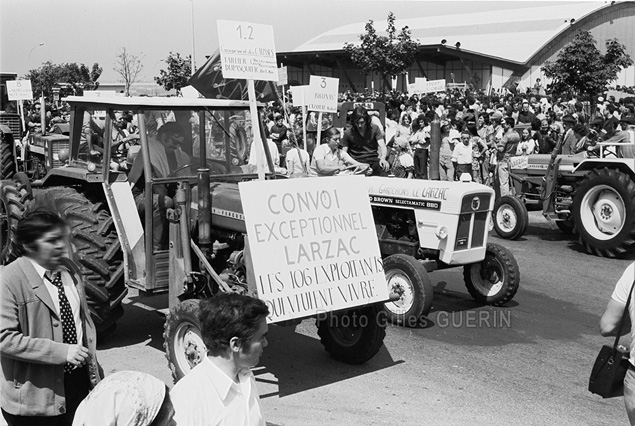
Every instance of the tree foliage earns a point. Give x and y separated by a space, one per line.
581 69
74 78
128 66
388 55
178 72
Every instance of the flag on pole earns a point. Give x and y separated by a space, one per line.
209 81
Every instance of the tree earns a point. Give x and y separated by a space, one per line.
581 69
178 73
388 55
128 66
77 78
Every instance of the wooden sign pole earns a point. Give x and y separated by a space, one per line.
255 128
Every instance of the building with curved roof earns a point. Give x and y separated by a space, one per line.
482 49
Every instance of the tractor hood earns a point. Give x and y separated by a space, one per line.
226 207
441 196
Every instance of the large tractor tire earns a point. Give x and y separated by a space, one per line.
14 196
494 280
353 336
604 212
408 278
96 249
7 156
510 217
183 342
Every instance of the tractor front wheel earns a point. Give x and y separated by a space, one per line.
495 279
407 278
353 336
184 347
510 217
604 212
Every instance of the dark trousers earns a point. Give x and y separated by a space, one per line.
76 388
421 163
459 169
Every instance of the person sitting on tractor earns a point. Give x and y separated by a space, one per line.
165 157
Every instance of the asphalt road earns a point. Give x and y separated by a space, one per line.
527 363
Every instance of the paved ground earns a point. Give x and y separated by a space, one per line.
527 365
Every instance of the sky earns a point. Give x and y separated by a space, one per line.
89 31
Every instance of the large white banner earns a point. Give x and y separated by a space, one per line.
313 245
247 51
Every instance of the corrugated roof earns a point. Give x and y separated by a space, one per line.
512 34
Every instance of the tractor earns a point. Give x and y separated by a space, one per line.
591 196
207 251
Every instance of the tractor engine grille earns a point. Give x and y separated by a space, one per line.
473 220
13 122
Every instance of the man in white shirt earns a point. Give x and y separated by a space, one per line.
221 390
462 155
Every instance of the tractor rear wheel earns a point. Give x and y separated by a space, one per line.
408 278
7 156
183 342
604 212
13 199
96 249
353 336
510 217
495 279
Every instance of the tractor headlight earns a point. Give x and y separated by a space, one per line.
91 166
441 232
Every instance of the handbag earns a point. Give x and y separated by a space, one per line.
611 365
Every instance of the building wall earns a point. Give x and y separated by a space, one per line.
617 23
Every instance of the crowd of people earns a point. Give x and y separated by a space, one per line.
479 132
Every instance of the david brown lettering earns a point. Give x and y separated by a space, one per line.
320 250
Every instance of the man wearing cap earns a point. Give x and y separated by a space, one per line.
569 140
165 157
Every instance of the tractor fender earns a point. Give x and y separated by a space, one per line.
624 165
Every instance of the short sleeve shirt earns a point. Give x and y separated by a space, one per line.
363 148
620 294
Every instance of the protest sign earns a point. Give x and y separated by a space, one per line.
247 51
520 162
313 245
19 90
420 85
283 77
435 86
299 94
322 94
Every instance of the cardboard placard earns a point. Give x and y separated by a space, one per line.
247 51
313 245
283 77
19 90
520 162
299 94
322 94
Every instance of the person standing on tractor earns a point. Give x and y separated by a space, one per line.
365 143
165 157
221 389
